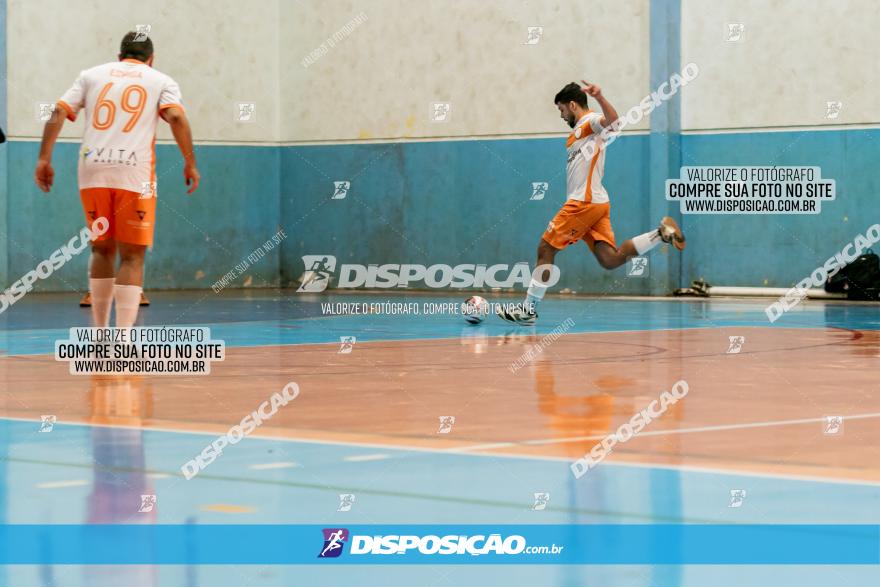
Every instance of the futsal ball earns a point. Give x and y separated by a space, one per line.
475 309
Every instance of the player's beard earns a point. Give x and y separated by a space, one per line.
571 120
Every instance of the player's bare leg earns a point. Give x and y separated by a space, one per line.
667 232
102 261
129 283
102 280
131 265
611 258
546 256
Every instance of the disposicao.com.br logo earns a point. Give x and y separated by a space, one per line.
320 270
334 540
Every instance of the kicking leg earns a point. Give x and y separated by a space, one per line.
671 233
611 258
668 232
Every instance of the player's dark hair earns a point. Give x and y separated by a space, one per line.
140 49
571 93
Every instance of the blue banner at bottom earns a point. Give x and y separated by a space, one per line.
440 544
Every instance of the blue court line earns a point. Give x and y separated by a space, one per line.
308 325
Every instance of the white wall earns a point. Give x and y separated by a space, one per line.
219 51
376 83
379 81
793 58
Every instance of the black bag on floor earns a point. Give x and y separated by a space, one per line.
860 280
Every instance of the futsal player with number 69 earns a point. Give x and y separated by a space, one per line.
122 102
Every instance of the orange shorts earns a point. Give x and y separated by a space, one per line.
131 217
580 221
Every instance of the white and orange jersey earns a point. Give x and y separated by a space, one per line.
122 101
586 161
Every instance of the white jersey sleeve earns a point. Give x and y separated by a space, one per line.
73 99
170 95
595 122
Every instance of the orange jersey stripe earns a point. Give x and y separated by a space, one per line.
71 115
572 138
588 194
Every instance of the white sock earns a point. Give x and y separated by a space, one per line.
128 300
645 242
535 294
101 290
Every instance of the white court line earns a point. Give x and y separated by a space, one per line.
62 484
464 451
365 458
268 466
664 432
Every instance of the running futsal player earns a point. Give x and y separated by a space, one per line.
586 214
123 101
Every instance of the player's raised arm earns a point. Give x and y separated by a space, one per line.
44 175
176 119
609 114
